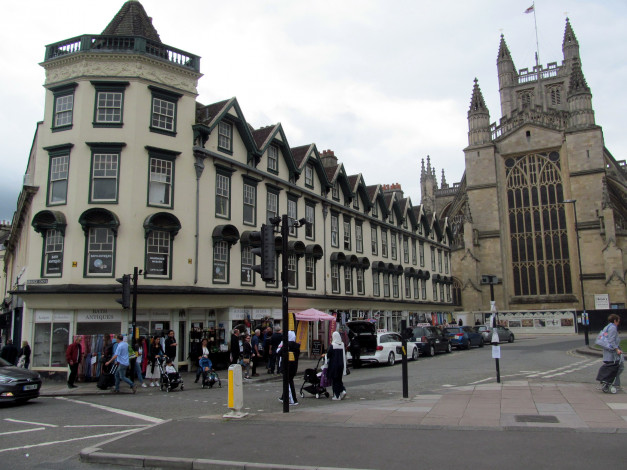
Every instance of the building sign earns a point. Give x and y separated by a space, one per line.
98 315
36 281
157 265
100 262
54 263
239 313
601 301
261 313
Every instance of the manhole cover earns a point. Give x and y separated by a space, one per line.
536 419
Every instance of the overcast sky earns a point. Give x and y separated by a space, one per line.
383 83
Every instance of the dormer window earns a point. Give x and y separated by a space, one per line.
375 210
273 159
225 136
309 182
391 218
356 202
335 192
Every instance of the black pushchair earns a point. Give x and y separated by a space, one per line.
312 377
169 381
210 378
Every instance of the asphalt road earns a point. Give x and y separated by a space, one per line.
49 432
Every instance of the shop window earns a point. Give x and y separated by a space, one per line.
50 342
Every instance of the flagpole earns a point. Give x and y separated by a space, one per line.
536 26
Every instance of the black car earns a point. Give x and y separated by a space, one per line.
430 340
17 384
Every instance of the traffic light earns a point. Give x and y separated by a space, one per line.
263 243
125 301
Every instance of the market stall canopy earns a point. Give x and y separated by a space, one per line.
311 314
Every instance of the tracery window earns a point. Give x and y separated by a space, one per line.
537 224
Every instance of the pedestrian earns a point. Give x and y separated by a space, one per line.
121 358
355 349
460 322
275 340
25 353
152 368
9 352
247 353
170 346
336 360
202 353
73 355
235 349
293 349
613 354
267 334
136 353
257 351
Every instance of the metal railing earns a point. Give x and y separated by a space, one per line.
128 44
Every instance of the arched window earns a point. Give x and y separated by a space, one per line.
537 225
101 229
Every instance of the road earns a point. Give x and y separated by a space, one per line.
49 432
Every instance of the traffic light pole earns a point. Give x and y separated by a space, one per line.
285 319
134 312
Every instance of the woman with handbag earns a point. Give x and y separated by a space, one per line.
336 359
610 342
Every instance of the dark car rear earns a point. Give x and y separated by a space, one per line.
366 333
463 337
17 384
430 340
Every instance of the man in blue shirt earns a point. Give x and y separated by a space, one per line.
121 358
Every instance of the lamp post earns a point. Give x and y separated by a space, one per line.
583 297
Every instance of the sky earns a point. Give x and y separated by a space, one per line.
382 83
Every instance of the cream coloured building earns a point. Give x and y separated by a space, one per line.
128 169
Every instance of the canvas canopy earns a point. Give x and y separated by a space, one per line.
311 314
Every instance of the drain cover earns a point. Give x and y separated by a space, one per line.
536 419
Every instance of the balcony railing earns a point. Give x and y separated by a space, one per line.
553 70
127 44
552 119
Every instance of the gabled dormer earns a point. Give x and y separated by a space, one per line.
361 201
275 151
340 186
308 163
224 130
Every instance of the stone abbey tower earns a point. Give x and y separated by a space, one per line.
535 181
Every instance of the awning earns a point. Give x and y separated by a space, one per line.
225 233
296 247
99 218
314 250
353 261
49 220
410 272
378 266
364 262
162 221
338 257
311 314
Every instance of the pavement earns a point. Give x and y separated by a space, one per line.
517 405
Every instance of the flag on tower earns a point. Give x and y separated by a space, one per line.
531 9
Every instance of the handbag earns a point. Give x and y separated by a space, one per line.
602 339
324 379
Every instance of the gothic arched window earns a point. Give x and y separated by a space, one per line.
537 225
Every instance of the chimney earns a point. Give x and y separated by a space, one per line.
328 158
393 188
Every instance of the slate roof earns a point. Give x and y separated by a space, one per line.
330 171
132 20
206 114
299 153
261 135
371 190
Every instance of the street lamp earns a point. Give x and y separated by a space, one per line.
584 315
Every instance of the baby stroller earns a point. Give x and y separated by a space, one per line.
209 376
607 375
312 377
169 381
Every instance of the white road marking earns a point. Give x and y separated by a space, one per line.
104 426
23 430
30 422
30 446
130 414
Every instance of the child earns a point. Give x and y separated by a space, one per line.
170 370
205 365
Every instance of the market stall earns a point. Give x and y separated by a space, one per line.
310 333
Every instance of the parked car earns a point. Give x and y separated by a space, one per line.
463 337
430 340
379 347
17 384
505 334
